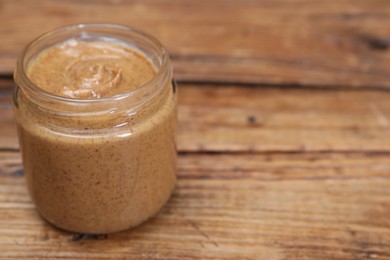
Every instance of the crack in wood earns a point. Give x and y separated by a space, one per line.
7 82
203 234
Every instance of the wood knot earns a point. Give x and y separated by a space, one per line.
18 173
78 237
251 119
254 121
376 44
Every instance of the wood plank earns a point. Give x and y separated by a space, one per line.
274 206
252 119
268 119
327 43
8 136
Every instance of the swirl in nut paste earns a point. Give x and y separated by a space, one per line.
90 69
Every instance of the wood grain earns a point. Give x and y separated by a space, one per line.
326 43
275 206
284 131
249 119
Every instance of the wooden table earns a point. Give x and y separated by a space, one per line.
284 135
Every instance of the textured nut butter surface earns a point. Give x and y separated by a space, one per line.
90 69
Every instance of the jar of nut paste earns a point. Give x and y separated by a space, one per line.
95 106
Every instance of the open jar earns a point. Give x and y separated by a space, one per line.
99 164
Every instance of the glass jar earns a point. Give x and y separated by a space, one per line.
98 165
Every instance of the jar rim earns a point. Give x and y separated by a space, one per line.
20 75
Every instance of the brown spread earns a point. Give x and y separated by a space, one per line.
110 181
